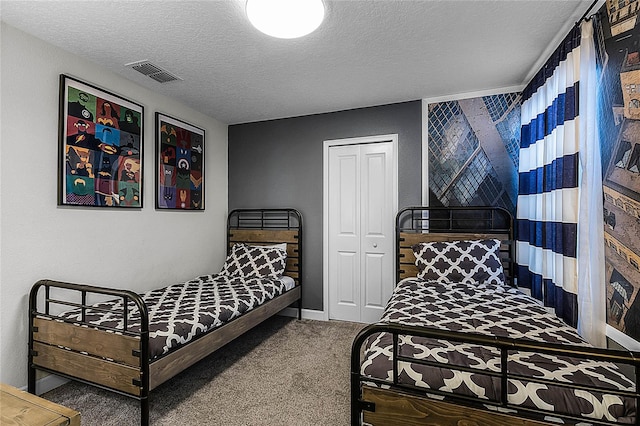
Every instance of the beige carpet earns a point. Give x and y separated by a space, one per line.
283 372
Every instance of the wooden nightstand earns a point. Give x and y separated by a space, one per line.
22 408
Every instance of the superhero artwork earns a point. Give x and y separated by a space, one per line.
179 164
100 146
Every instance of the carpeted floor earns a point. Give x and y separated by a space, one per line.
283 372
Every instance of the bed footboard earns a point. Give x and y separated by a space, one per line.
115 359
389 402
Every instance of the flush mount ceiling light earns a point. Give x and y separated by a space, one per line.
285 18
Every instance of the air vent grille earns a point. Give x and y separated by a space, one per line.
163 77
146 68
153 71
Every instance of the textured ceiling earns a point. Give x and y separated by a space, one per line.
365 53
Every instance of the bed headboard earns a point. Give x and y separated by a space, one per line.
427 224
269 226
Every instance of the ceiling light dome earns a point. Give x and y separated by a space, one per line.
285 18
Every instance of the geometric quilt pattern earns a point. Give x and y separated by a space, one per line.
494 310
471 261
181 312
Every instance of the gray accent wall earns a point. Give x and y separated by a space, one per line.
278 163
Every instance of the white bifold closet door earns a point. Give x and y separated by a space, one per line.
361 230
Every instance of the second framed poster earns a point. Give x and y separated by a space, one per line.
179 164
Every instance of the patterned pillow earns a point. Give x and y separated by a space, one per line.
254 262
472 261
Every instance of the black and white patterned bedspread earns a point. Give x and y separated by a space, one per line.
494 310
181 312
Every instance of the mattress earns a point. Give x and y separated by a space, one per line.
493 310
182 312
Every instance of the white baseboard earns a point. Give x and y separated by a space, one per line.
629 343
311 314
47 383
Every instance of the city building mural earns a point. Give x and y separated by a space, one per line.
617 43
473 151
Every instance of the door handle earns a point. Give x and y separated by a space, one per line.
375 245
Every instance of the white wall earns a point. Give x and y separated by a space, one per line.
137 249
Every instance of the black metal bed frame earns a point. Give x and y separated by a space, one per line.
419 222
269 219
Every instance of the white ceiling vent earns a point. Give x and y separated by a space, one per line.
153 71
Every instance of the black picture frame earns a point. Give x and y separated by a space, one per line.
180 149
100 147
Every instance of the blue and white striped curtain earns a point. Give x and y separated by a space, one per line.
551 172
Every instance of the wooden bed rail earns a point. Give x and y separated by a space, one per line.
360 405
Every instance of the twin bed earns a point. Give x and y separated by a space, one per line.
459 344
130 343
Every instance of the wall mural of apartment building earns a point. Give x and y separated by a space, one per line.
473 151
622 15
618 45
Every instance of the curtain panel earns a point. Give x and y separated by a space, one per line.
548 193
560 235
591 263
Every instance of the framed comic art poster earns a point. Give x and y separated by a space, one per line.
100 159
179 164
